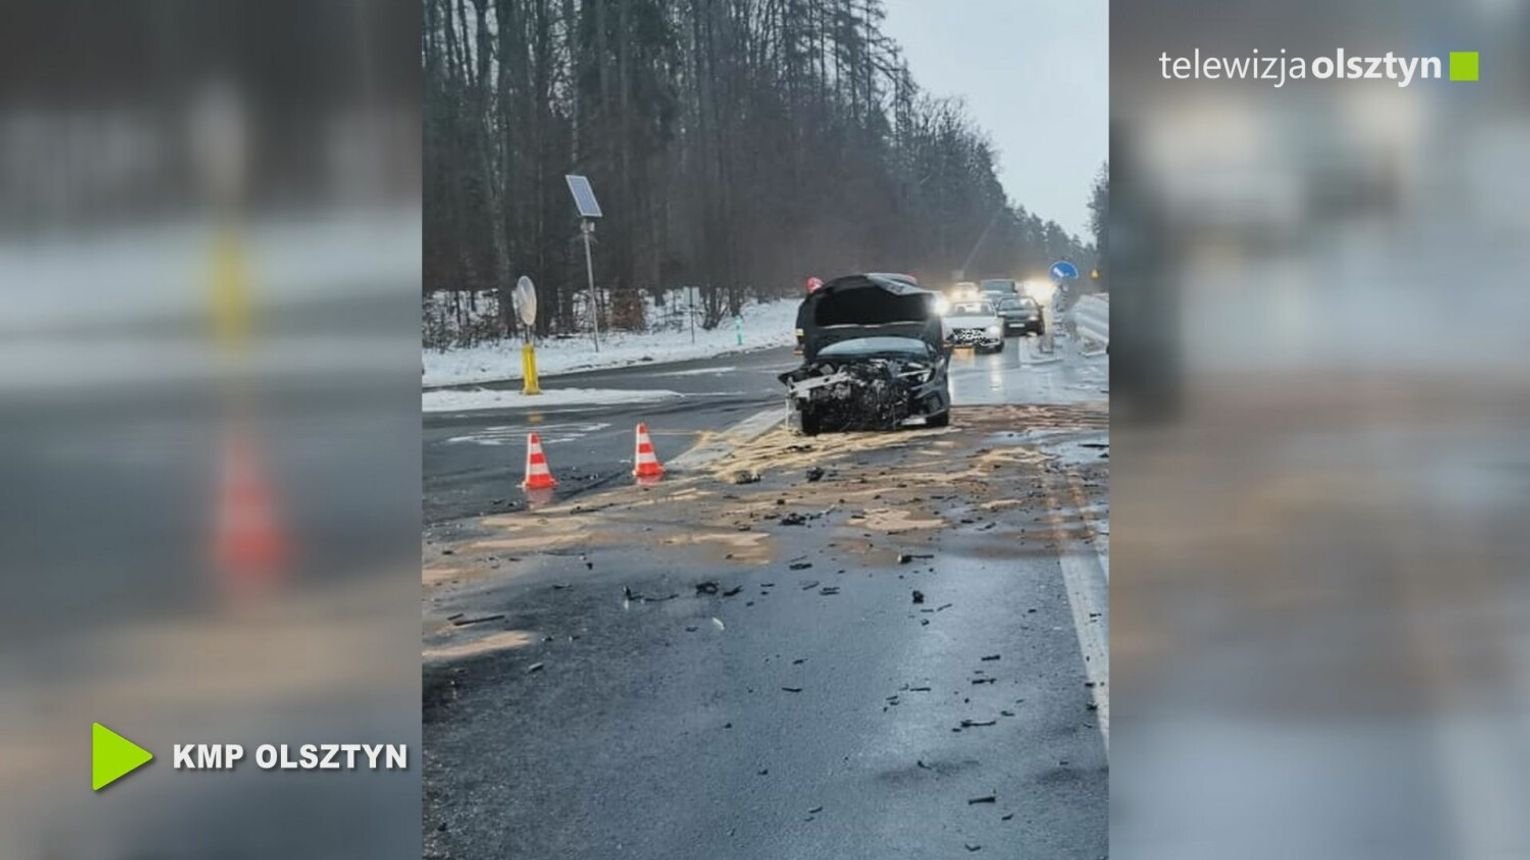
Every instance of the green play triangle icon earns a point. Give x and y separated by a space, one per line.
113 756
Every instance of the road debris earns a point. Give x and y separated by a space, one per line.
918 596
792 689
814 474
990 657
793 519
829 590
906 557
799 565
969 724
809 586
707 587
732 591
746 476
534 667
463 622
971 847
987 798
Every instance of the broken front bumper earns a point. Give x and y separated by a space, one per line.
873 395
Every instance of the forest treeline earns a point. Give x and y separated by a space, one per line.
736 145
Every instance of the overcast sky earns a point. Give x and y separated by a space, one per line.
1034 74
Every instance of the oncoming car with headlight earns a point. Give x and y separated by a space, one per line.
975 323
1021 314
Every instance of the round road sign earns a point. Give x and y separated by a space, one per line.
524 298
1062 270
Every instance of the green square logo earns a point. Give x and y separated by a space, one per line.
1463 65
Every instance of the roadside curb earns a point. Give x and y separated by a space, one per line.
575 371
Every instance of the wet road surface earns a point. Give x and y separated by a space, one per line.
474 460
589 693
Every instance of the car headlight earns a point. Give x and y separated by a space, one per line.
993 329
942 305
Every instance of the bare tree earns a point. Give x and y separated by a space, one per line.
737 145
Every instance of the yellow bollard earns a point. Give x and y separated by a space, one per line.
530 384
231 311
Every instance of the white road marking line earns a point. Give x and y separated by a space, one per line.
744 431
1088 598
700 371
1087 587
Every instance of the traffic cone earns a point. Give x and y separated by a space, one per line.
538 476
249 545
645 464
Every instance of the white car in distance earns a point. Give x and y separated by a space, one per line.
974 323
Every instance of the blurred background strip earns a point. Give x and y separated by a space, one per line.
1320 477
209 419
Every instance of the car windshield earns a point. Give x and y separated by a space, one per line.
998 286
970 309
875 346
1017 304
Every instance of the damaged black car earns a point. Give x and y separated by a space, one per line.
874 358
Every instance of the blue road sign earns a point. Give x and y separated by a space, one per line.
1062 270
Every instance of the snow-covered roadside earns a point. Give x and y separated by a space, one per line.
485 398
765 325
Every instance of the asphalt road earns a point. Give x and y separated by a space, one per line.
474 460
584 698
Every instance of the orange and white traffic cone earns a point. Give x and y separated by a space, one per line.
249 545
645 464
538 476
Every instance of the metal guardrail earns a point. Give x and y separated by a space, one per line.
1091 318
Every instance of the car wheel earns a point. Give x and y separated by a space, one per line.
1000 347
941 420
807 422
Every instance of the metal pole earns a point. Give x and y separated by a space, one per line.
690 310
586 228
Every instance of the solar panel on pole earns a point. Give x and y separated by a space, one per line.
584 196
589 209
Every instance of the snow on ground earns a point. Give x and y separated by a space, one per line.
484 398
766 325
